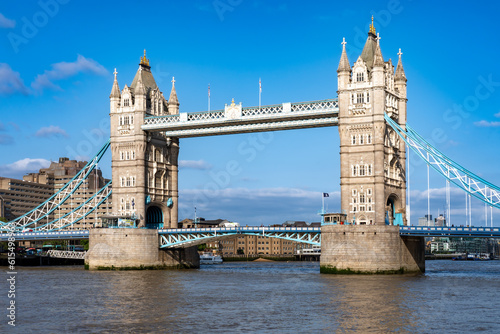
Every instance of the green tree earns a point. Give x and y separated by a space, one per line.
202 247
85 244
3 219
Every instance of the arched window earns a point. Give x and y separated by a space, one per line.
353 139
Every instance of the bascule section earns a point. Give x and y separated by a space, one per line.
144 164
373 183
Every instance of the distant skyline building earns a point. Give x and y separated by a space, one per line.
18 197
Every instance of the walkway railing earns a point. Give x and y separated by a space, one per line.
236 119
66 254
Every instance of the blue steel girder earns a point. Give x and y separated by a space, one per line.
50 205
454 172
181 238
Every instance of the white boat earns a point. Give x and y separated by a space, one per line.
210 259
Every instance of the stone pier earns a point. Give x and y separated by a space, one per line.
370 249
130 249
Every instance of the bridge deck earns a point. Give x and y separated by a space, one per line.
236 119
301 234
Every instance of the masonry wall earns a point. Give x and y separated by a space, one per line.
370 249
135 249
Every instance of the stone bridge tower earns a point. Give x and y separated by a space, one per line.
372 156
144 165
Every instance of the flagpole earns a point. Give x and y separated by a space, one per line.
260 92
208 97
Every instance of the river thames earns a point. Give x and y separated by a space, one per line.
264 297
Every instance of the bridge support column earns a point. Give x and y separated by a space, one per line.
370 249
130 249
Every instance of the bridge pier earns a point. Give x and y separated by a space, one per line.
370 249
130 249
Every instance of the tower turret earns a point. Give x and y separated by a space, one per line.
173 102
344 70
115 95
400 77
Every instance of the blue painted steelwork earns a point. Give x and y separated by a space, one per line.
464 232
63 235
51 204
92 209
180 238
454 172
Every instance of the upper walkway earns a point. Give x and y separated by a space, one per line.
236 119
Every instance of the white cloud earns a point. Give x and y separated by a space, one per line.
194 164
51 131
21 167
65 70
6 23
487 124
10 81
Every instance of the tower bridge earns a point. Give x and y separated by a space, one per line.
370 113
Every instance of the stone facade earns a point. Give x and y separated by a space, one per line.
144 165
353 249
372 156
135 249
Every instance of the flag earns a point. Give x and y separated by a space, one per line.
260 86
209 90
326 195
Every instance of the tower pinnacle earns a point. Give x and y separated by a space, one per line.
144 60
115 91
400 72
372 29
344 61
173 94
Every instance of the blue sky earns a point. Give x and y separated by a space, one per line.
58 57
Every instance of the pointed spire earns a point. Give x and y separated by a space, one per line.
173 94
378 59
372 29
144 60
115 91
344 61
400 72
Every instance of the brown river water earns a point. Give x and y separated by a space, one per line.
262 297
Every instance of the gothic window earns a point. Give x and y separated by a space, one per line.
352 98
131 119
127 155
354 208
354 192
128 181
361 198
360 98
354 200
126 102
370 169
133 155
360 77
367 97
121 184
369 191
369 208
362 208
127 206
362 170
120 121
354 139
354 170
121 155
369 139
133 181
361 139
